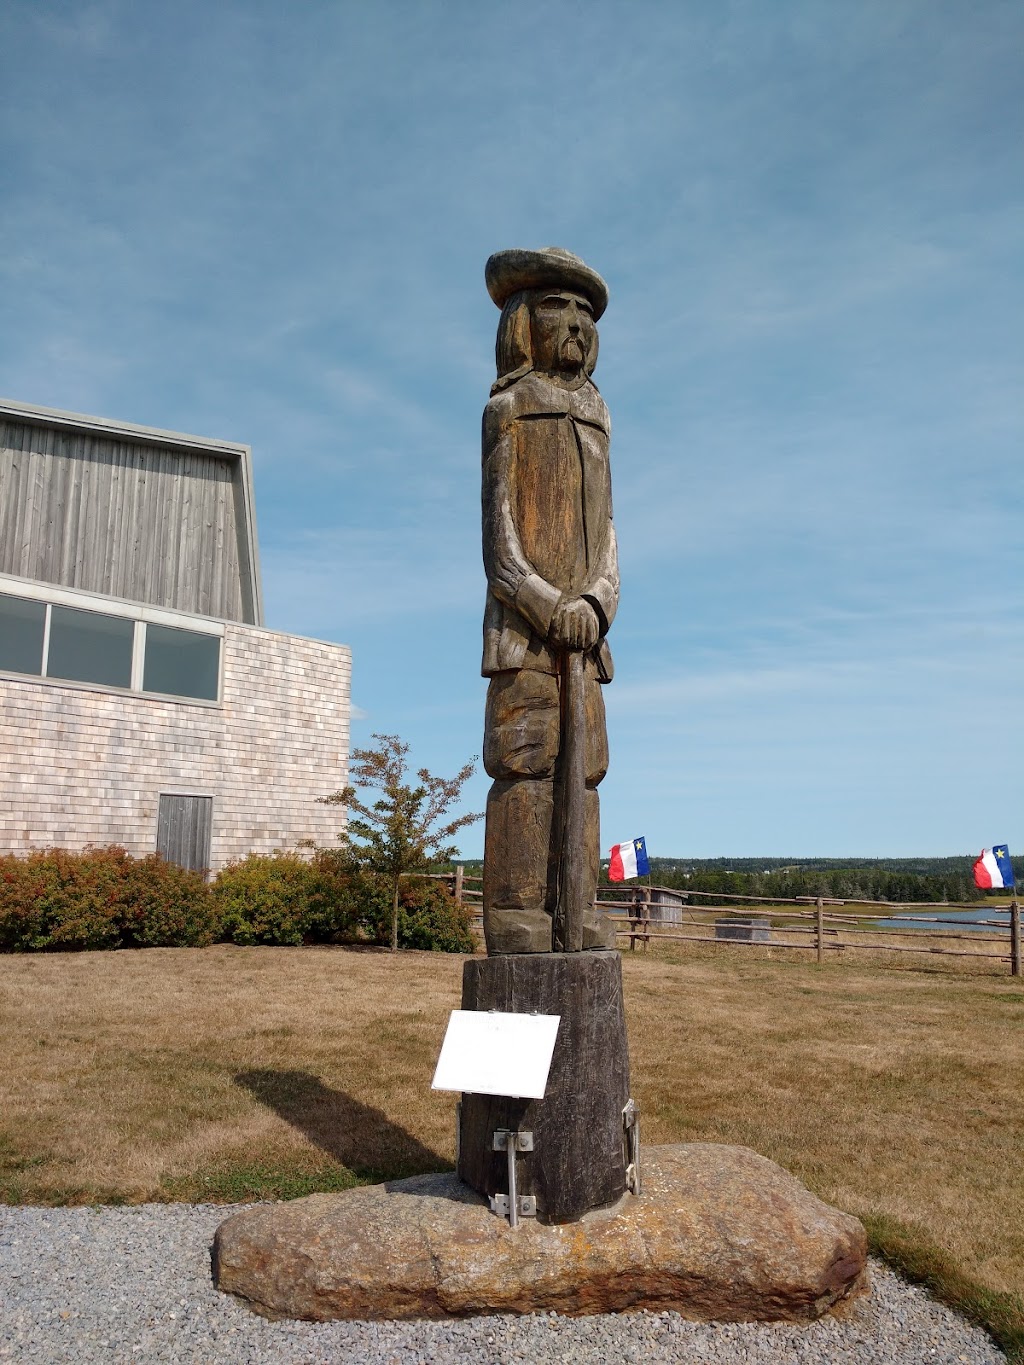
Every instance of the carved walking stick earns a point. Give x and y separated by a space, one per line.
568 928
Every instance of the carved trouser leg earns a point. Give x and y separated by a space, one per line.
521 745
517 839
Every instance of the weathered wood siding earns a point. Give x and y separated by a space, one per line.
165 525
183 830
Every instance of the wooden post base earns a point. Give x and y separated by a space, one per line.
578 1161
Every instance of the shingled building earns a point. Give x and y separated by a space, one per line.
144 702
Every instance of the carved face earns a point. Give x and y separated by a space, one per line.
562 331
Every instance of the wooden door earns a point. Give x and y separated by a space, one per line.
183 830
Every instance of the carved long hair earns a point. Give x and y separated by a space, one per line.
513 350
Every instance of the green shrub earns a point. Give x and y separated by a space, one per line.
166 906
428 916
341 893
287 900
57 900
264 900
18 901
430 919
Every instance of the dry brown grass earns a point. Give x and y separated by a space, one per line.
889 1092
130 1075
226 1072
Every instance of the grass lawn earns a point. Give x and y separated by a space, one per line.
237 1073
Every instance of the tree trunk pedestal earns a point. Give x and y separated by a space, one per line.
578 1161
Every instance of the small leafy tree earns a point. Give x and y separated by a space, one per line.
400 832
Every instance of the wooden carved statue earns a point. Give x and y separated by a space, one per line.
553 588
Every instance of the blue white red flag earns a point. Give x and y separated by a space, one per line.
628 860
993 868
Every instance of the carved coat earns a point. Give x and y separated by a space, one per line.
547 520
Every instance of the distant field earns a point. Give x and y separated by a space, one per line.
232 1073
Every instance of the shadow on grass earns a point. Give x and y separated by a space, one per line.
362 1139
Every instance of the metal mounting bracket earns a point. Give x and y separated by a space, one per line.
523 1143
512 1205
527 1206
631 1137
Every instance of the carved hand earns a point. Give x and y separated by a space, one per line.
574 625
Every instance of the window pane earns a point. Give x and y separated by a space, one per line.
181 662
89 647
21 634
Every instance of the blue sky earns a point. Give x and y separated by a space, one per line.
268 223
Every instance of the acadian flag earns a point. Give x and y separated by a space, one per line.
993 868
628 860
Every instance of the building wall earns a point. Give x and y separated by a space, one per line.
122 512
80 765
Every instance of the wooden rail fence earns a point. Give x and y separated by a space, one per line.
818 924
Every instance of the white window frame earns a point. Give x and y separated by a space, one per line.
105 606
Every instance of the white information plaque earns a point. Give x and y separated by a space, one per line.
488 1053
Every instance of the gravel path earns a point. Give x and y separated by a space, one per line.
133 1284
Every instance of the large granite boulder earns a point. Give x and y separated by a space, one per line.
719 1233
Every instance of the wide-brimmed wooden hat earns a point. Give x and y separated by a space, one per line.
552 267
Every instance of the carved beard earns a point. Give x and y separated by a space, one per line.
571 349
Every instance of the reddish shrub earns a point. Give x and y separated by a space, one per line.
57 900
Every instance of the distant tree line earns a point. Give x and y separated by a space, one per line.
912 880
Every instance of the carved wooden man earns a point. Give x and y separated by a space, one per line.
553 587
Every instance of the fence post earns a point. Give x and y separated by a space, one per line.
819 928
1014 937
459 869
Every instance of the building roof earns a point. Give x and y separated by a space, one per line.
133 512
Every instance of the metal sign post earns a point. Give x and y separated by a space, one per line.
513 1205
